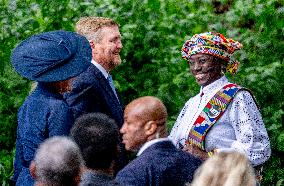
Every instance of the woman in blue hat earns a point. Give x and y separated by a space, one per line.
52 59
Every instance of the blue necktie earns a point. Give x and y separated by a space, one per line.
110 81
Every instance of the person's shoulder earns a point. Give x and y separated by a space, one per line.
135 173
45 100
91 178
58 105
89 79
244 92
188 158
137 166
159 153
192 99
91 72
88 75
244 95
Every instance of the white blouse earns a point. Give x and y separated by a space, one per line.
240 128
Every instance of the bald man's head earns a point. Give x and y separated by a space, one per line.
148 108
144 119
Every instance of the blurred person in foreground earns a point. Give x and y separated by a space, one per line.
57 162
158 161
226 169
97 135
94 90
223 116
53 59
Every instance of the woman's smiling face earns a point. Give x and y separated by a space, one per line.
205 68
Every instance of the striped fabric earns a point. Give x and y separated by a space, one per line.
213 110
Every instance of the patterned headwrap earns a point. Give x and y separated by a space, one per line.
215 44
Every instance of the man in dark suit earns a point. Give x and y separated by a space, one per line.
93 90
159 162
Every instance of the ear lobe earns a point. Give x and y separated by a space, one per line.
150 128
32 169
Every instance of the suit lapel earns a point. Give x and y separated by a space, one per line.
105 85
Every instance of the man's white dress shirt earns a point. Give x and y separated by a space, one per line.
107 76
150 143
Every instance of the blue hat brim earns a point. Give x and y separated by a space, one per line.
75 64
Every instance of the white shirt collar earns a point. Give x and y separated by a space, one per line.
218 84
149 143
101 68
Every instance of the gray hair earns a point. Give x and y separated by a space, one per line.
58 161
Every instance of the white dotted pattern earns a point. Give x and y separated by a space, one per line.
241 127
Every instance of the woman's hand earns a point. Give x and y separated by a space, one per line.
196 151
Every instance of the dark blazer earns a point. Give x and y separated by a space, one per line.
91 92
160 164
94 178
42 115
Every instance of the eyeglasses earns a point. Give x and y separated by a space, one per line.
201 60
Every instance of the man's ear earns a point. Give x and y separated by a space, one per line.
33 169
150 128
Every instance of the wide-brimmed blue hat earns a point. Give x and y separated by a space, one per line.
52 56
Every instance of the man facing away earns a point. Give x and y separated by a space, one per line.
93 90
97 136
159 162
57 162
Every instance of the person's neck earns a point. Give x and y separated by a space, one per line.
213 80
103 64
159 134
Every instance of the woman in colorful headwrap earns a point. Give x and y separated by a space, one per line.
223 116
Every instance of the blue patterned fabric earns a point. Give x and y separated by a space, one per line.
161 164
42 115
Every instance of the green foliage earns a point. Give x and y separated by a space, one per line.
13 90
6 166
153 32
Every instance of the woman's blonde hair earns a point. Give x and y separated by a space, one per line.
225 169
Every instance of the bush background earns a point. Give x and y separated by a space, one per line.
153 32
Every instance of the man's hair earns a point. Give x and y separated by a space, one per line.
58 161
225 168
90 26
97 136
